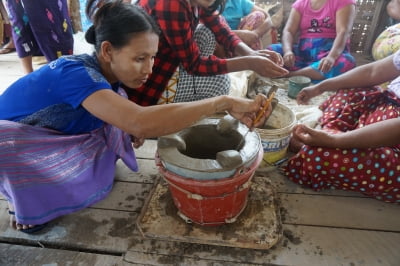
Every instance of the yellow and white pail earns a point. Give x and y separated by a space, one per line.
275 134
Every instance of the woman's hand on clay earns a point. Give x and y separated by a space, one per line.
264 66
289 59
259 123
246 110
137 142
304 96
313 137
273 56
326 64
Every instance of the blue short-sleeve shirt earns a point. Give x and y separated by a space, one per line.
51 96
235 10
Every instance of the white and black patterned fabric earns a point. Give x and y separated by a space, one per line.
193 88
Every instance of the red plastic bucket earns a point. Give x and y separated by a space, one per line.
211 202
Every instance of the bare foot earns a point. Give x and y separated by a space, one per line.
7 48
13 222
9 45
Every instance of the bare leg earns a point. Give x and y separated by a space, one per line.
308 72
27 64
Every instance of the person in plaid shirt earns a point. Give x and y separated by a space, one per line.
201 73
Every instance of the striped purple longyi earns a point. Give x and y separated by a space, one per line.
46 174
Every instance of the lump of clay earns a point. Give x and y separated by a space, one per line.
227 124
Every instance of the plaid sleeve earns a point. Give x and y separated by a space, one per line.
177 46
221 30
178 24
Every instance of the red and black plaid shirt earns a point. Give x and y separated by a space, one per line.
177 22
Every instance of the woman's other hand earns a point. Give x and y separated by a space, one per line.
307 93
313 137
326 64
265 66
273 56
289 59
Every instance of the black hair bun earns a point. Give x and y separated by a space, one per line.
90 35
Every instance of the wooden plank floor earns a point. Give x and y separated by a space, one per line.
319 228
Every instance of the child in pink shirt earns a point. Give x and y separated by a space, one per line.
322 49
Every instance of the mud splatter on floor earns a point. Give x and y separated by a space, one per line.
258 226
293 239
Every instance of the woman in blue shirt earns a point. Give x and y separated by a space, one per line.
64 126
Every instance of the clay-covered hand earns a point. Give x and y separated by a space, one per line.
304 96
289 59
273 56
313 137
263 113
246 110
137 142
326 64
265 66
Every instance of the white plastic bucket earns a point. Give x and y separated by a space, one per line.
275 134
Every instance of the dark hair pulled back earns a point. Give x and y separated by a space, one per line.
217 5
116 22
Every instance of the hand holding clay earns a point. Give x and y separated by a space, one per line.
273 56
266 67
247 113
